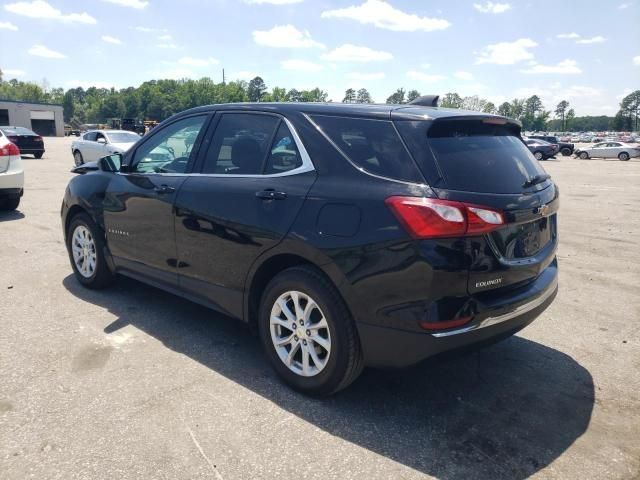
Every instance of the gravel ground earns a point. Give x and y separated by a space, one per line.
133 383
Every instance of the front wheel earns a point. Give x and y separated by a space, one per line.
85 245
624 156
77 158
584 155
565 152
38 155
308 333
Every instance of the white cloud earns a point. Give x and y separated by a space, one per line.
285 36
110 39
198 62
139 4
463 75
354 53
565 67
636 60
596 39
424 77
507 53
149 29
88 84
42 51
366 76
491 7
165 38
41 9
167 45
10 72
383 15
577 91
622 6
273 2
176 73
8 26
243 75
301 65
568 35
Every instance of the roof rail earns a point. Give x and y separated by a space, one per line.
426 101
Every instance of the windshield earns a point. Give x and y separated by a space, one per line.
123 137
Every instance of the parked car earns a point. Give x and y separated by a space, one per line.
541 150
566 149
69 130
29 142
623 151
96 144
347 235
11 174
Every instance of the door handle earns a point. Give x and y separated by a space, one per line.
271 195
164 189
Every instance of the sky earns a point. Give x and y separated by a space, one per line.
586 52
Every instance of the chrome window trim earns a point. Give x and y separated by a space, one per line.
489 321
307 164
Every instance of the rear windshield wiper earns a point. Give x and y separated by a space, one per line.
536 179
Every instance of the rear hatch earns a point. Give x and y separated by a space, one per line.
481 160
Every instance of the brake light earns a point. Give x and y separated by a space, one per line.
37 139
435 218
9 150
13 139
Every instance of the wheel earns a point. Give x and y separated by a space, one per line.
9 204
565 151
77 158
38 155
308 333
85 245
584 155
624 156
538 156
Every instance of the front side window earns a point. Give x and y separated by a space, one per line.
169 150
90 136
240 144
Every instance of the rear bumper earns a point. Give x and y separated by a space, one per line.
496 318
30 151
11 181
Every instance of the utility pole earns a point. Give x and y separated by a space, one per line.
223 82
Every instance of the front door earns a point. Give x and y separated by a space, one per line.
139 204
252 182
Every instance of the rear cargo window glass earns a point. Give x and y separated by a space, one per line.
372 145
481 157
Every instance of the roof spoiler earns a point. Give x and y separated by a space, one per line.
426 101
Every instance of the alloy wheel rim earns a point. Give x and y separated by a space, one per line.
83 248
300 333
77 159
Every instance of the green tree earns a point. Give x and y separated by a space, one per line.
630 109
363 96
560 112
451 100
569 119
397 98
256 89
68 106
294 95
489 108
505 109
412 95
349 96
278 94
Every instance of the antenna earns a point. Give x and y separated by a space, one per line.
426 101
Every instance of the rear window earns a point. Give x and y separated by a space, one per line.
372 145
481 157
18 131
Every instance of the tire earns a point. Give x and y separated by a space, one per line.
339 365
623 156
9 204
99 276
38 155
565 152
584 155
77 158
539 156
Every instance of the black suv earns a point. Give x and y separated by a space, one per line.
348 235
564 148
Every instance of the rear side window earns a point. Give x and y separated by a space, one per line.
284 155
372 145
477 156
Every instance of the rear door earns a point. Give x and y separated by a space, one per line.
484 162
253 180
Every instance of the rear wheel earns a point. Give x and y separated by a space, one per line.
308 333
538 156
77 158
584 155
9 204
565 151
38 155
85 245
624 156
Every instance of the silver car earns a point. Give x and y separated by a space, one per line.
623 151
96 144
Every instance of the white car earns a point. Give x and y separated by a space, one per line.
623 151
11 174
96 144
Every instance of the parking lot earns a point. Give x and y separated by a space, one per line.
131 382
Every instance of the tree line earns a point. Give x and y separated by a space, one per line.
159 99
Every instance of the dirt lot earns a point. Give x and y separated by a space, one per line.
133 383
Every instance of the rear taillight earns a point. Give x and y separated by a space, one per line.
435 218
37 139
13 139
9 150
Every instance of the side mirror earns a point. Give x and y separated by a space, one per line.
111 163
